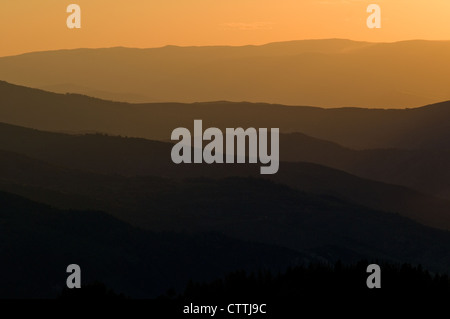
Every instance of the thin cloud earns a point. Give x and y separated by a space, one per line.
247 26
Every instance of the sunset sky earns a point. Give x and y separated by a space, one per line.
38 25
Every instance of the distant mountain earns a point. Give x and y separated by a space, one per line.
420 128
39 242
112 174
425 170
111 96
327 73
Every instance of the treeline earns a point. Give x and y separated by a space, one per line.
316 280
298 283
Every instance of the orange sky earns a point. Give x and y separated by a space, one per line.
36 25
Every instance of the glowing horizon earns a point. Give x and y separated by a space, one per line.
40 25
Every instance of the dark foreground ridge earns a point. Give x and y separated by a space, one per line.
323 288
296 283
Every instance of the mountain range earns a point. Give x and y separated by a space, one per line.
326 73
91 181
99 167
38 242
418 128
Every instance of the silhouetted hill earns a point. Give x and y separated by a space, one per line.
288 225
104 156
328 73
420 128
252 209
315 178
39 242
89 152
425 170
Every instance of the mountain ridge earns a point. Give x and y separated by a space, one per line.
106 165
360 128
39 242
293 73
357 43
